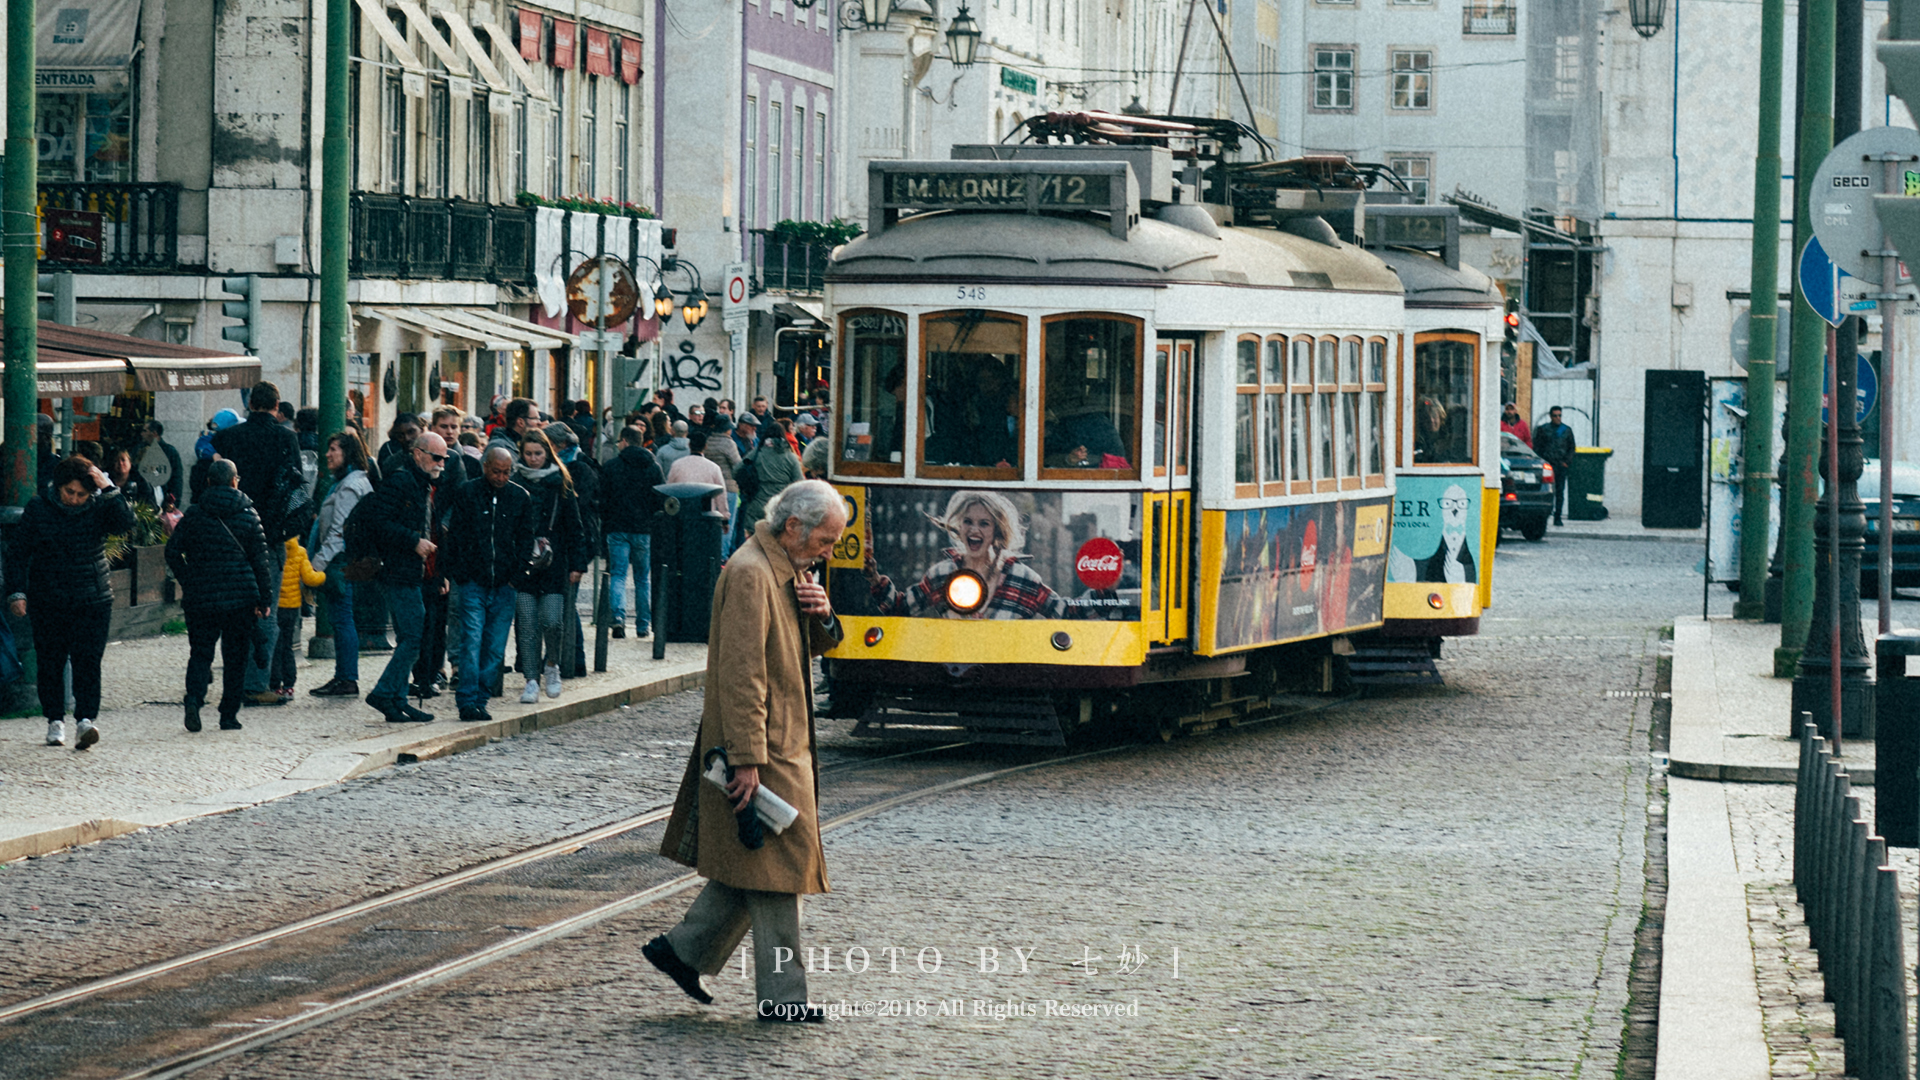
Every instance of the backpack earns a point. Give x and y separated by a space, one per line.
360 561
747 475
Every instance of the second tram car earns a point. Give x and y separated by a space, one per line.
1103 447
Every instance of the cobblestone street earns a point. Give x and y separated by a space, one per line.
1430 883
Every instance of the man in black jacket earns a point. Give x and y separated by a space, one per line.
489 540
402 521
437 636
267 453
629 503
1553 441
219 556
590 488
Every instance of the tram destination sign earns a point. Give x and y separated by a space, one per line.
1018 186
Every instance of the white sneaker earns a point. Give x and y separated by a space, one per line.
56 732
553 680
85 735
531 694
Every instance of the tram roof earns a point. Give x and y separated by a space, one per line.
1048 248
1430 281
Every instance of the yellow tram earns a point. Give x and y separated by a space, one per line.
1114 440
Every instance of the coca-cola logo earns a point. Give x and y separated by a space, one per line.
1099 563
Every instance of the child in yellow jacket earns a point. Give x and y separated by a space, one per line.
297 574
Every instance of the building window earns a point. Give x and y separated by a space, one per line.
776 122
1417 171
1269 82
431 178
556 137
820 167
1333 79
85 137
517 146
751 214
799 160
479 148
590 137
622 137
1496 17
1412 79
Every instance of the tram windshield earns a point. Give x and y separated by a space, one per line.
874 349
1444 371
1090 393
975 391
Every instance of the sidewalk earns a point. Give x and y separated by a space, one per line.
1740 994
148 770
1623 528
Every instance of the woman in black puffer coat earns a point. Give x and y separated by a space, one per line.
56 575
539 613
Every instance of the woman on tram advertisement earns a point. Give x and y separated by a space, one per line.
987 542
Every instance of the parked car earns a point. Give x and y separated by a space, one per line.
1906 527
1526 488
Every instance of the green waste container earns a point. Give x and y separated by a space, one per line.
1587 483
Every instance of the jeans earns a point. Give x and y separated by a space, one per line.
433 635
537 621
726 534
1560 476
283 671
77 634
409 615
232 630
485 615
633 549
346 637
269 627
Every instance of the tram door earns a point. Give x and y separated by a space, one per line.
1164 561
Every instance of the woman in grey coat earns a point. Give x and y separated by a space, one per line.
347 462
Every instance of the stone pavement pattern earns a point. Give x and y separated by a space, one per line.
1435 883
149 770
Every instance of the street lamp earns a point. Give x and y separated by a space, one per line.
1647 16
695 307
874 13
963 38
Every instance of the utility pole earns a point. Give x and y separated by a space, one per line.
20 244
336 323
1756 500
1800 486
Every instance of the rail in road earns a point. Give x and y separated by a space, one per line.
171 1018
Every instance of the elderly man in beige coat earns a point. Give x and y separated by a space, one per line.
770 618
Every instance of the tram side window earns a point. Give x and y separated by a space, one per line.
1299 444
1376 407
873 389
1247 389
1090 391
1443 395
1273 414
975 387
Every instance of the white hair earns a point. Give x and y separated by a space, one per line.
808 501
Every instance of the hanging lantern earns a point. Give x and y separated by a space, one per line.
875 12
662 298
695 308
963 39
1647 16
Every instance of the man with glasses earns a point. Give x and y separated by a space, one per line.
1553 441
1452 560
402 526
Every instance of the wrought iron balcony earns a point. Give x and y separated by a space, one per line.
399 236
779 266
139 227
1492 20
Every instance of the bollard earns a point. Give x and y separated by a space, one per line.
1897 745
1801 783
1887 996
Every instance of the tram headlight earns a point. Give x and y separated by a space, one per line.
874 634
966 591
1436 601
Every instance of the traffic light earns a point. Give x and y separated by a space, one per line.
246 309
1513 328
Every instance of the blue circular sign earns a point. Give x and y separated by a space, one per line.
1866 391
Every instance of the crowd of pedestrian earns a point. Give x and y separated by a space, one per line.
451 529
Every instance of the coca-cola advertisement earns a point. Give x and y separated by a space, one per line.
1037 555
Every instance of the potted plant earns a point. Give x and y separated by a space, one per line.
139 557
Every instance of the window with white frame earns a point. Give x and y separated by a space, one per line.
1412 79
820 167
750 216
622 139
517 146
393 116
776 123
590 137
557 137
799 159
1333 78
1417 171
1268 56
479 147
431 176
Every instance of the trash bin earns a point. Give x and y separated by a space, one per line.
1896 804
1587 483
686 561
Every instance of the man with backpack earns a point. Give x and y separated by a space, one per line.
631 502
267 455
219 556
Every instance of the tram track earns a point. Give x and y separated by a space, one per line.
171 1018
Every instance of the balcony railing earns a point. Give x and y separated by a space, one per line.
140 225
779 266
398 236
1493 20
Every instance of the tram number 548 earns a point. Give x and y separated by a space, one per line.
976 293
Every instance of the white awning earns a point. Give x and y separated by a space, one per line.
83 45
482 62
504 42
416 18
396 42
483 328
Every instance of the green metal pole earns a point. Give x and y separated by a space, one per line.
19 244
336 323
1800 489
1756 500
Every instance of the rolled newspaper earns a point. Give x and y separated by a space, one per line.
771 809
